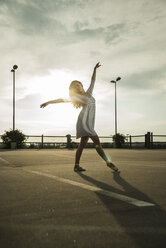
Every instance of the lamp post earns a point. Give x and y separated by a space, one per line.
13 71
114 82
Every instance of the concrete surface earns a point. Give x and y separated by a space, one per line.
43 203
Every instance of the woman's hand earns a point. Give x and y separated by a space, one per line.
43 105
97 65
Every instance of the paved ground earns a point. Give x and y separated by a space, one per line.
43 203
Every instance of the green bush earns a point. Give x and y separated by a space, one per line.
74 145
119 140
13 136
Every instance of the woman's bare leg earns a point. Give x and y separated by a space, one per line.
102 154
80 148
99 148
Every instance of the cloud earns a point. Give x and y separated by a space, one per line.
153 81
127 37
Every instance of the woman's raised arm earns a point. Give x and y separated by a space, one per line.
90 89
59 100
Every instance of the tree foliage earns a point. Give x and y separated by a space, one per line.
13 136
119 140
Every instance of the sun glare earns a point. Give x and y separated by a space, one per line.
62 116
54 86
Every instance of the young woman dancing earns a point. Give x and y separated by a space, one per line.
86 119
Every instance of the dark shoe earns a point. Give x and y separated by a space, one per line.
78 169
112 166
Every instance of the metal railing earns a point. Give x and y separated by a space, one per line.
68 141
148 140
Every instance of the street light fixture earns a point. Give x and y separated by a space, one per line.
114 82
13 71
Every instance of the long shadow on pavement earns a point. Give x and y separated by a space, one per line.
145 225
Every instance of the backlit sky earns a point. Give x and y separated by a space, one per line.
56 41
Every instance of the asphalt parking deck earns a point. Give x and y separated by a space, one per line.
44 203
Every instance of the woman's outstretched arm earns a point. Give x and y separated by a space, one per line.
59 100
94 71
90 89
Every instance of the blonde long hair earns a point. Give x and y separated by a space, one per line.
74 91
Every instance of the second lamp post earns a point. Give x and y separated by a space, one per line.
114 81
13 71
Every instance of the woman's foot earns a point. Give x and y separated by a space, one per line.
78 168
112 166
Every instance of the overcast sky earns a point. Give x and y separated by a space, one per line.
56 41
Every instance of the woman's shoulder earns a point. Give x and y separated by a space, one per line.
88 94
80 97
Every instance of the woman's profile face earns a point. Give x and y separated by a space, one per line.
79 87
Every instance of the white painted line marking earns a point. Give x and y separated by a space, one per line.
5 161
95 189
127 199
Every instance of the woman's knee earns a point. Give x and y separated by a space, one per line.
96 140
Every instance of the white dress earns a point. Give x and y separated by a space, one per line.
86 118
